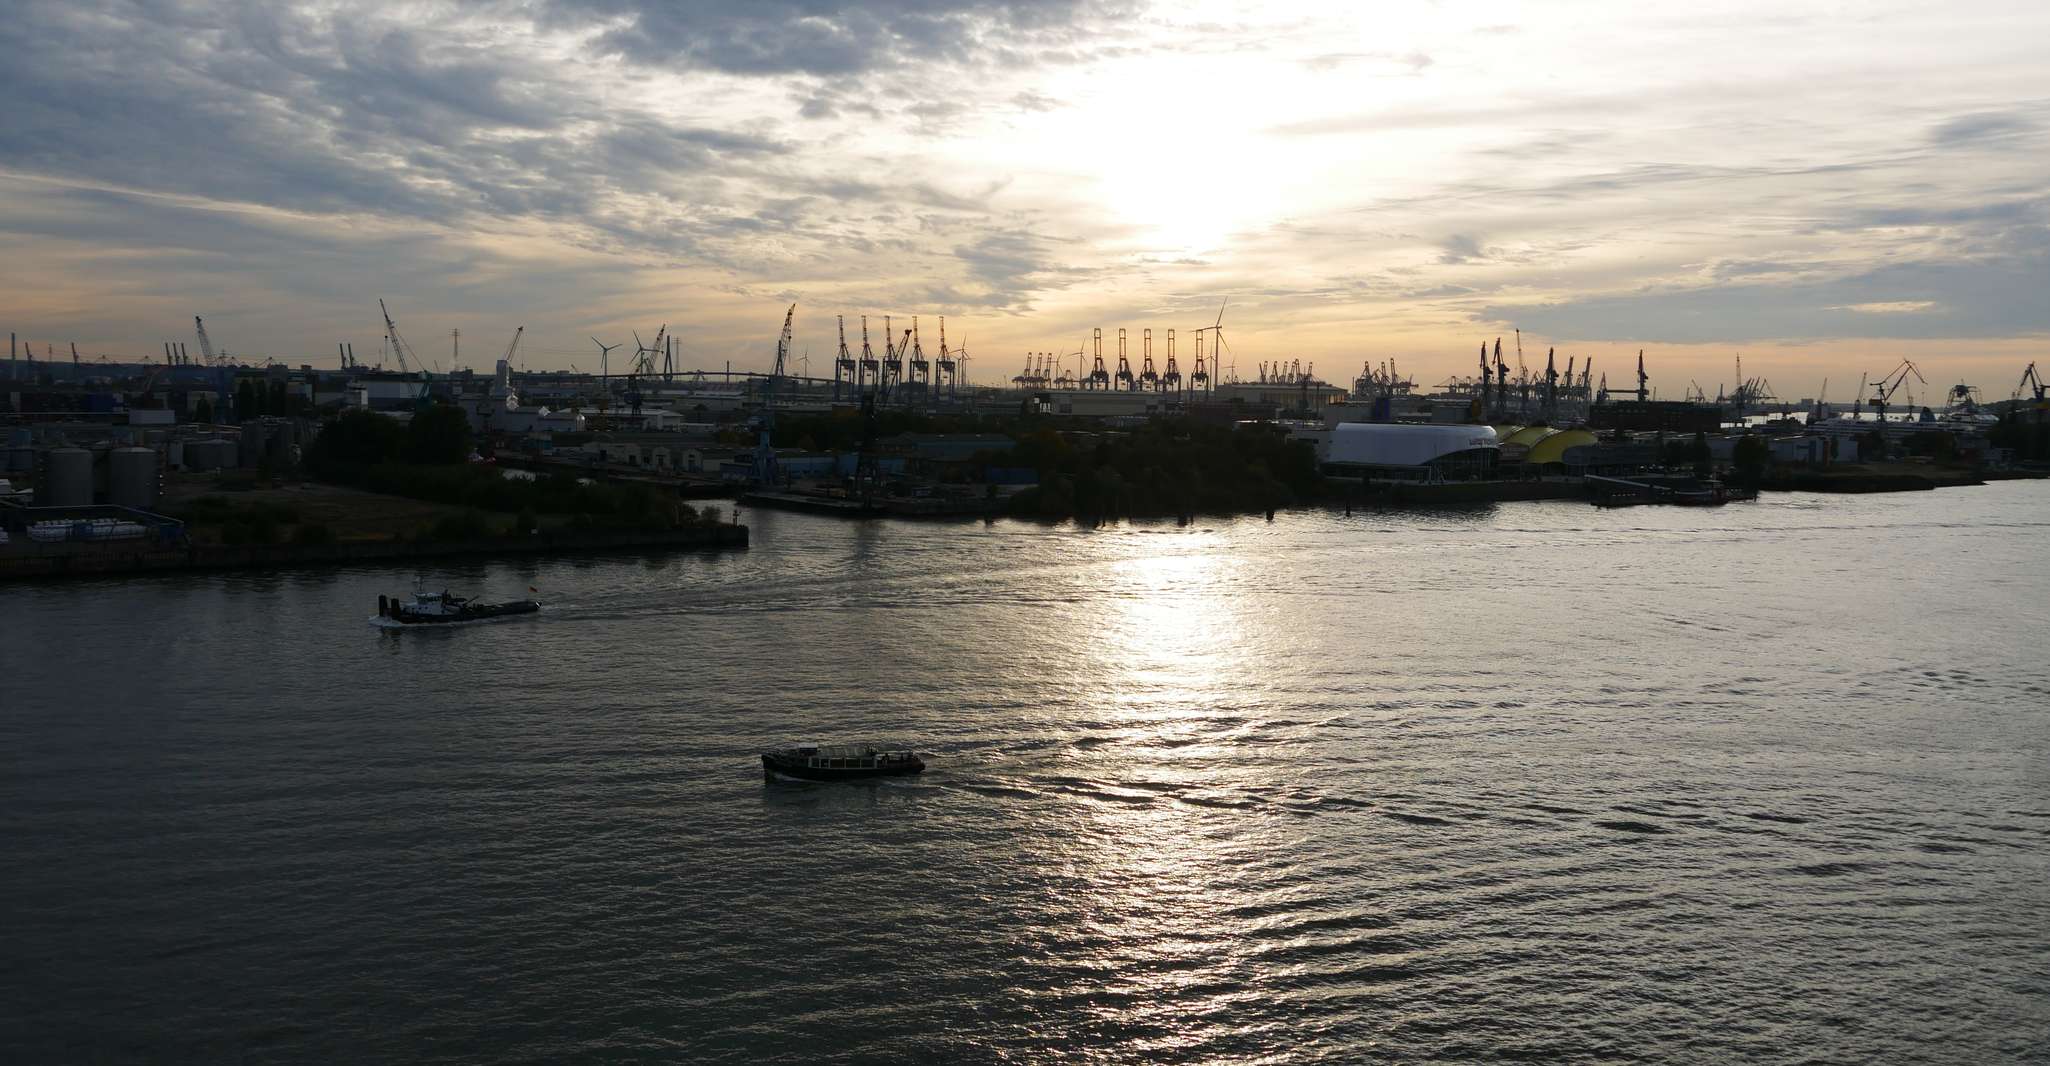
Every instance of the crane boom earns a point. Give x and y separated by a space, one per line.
391 330
206 344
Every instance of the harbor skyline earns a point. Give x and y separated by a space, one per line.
1825 195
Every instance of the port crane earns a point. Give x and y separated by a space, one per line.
843 364
2031 380
1098 378
1124 375
1201 379
920 385
765 449
947 368
507 358
1884 388
871 370
206 344
399 348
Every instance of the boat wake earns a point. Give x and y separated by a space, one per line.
396 625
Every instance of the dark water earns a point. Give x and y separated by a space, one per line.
1768 782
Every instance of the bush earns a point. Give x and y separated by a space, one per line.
311 533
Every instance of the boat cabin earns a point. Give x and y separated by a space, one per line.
847 757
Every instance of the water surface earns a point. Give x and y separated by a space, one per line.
1528 781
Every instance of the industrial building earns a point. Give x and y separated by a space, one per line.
1411 452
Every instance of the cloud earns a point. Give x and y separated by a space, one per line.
1992 297
1985 126
831 38
1460 248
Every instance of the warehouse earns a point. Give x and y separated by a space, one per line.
1407 452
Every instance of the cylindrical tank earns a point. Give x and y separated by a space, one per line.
252 444
175 455
132 478
221 453
68 478
21 459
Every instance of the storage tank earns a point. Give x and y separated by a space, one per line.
220 453
252 444
21 459
204 454
67 478
132 478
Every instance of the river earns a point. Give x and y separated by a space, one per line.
1536 780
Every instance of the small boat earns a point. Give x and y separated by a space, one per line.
845 762
431 609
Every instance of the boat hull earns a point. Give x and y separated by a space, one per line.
771 765
469 613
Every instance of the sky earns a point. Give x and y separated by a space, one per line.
1822 189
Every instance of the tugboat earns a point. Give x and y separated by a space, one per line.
846 762
431 609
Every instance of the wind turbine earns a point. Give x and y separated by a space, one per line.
1216 331
604 361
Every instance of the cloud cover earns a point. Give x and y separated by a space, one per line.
1385 184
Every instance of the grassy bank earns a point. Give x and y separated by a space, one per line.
1164 469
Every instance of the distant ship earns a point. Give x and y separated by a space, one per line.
816 762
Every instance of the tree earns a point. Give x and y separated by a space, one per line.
203 411
438 435
248 402
356 438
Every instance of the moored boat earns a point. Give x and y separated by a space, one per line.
842 762
431 609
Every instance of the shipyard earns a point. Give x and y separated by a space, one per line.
103 455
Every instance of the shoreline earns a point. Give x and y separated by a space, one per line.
135 558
